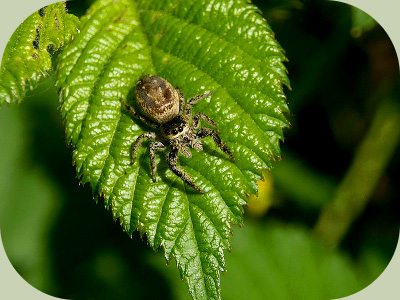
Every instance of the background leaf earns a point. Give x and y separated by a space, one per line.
222 46
27 55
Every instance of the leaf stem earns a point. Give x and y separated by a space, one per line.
367 167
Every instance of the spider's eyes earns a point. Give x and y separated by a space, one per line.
174 131
180 128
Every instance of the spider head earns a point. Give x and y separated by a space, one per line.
176 127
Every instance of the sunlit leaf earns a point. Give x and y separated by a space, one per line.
27 55
198 46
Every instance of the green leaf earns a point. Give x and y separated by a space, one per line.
27 55
198 46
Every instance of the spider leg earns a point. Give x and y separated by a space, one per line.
147 135
204 117
154 146
193 101
204 132
137 115
172 161
181 100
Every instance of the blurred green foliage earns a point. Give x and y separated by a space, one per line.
338 84
283 261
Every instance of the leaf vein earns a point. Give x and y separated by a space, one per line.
162 209
183 20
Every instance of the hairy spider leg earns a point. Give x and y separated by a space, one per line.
147 135
181 100
137 115
152 148
193 101
204 117
205 132
172 161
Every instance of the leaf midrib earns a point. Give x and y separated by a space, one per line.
203 274
157 233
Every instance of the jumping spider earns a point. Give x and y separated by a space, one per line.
162 106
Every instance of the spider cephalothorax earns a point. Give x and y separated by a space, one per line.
162 106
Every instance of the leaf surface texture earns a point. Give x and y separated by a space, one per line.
198 46
27 56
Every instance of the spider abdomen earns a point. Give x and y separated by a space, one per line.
157 99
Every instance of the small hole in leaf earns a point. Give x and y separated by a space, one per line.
35 42
35 56
42 11
51 48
